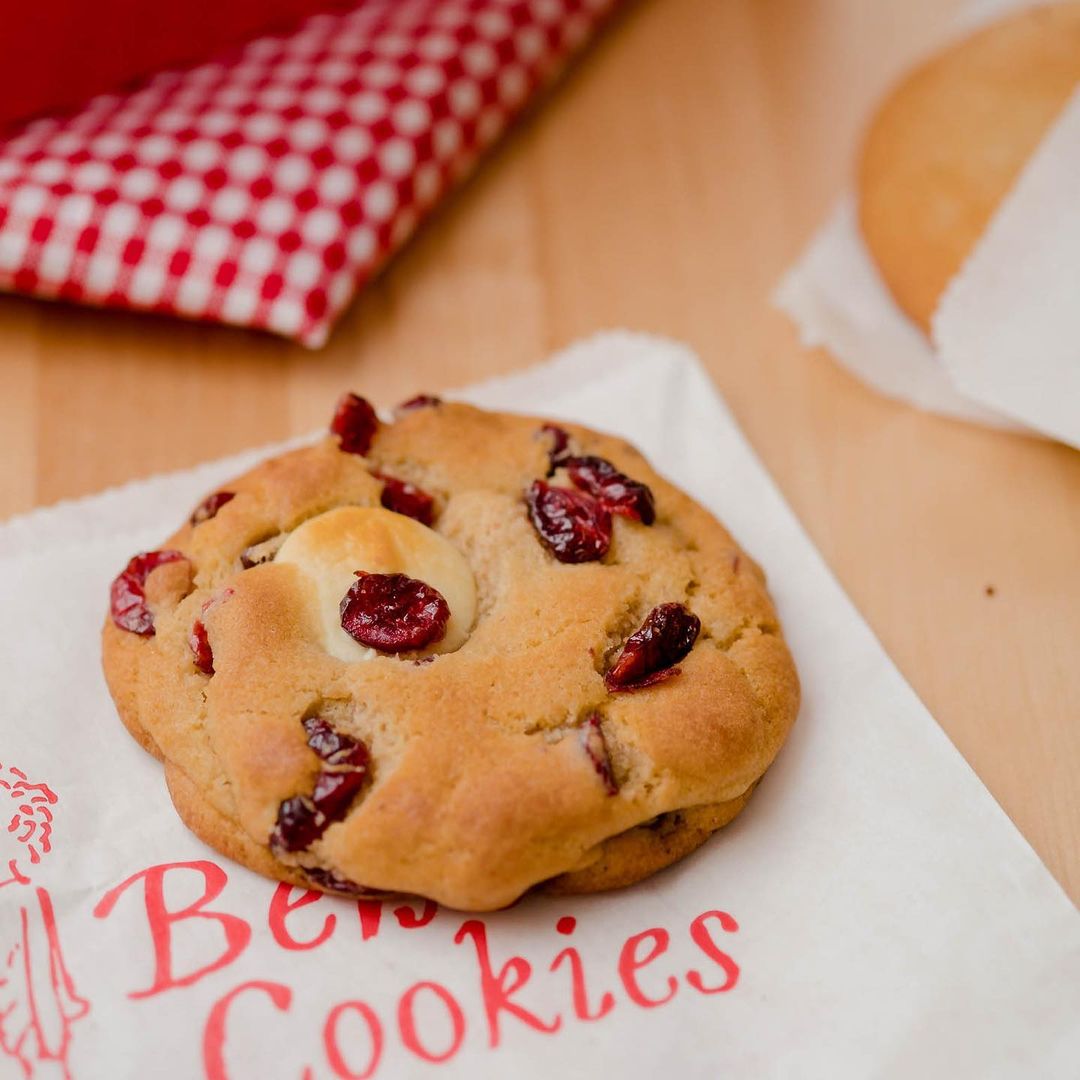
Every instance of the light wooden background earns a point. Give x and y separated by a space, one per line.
665 186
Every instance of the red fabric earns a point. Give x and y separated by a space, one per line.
55 54
264 187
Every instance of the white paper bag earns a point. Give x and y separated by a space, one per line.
1004 350
871 913
1024 362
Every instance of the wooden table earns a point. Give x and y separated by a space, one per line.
665 186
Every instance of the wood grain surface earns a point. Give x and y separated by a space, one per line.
664 186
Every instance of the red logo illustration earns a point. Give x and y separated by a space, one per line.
38 1000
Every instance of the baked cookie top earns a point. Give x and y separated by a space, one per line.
452 655
949 143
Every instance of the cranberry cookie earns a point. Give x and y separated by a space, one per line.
459 655
950 142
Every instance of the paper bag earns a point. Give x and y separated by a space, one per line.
871 913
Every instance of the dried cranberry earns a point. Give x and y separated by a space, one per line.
592 741
405 498
354 424
615 490
324 740
200 648
573 525
393 612
560 442
332 881
299 824
664 638
646 680
421 401
303 819
333 747
334 791
128 592
209 507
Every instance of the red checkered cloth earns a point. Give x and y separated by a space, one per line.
265 187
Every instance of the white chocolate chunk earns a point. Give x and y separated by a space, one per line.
330 548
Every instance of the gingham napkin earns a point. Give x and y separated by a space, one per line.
265 187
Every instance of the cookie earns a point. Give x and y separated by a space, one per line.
950 142
459 655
